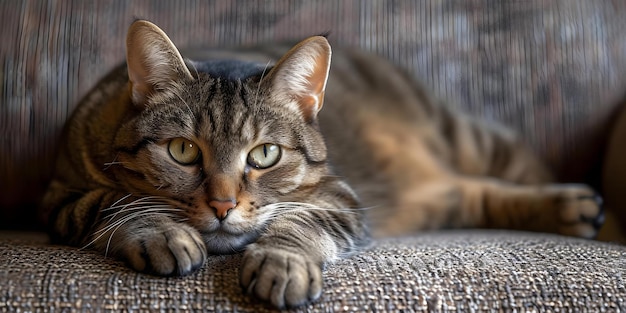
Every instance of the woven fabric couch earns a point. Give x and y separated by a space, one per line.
553 70
466 271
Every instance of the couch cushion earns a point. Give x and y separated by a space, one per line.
443 271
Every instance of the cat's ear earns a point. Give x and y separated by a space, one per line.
154 63
300 76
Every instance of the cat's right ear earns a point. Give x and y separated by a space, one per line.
154 63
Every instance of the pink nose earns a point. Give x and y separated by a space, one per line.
222 207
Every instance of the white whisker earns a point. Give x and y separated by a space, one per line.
114 162
278 209
185 103
124 206
258 88
109 164
144 208
121 199
132 211
126 219
115 204
114 227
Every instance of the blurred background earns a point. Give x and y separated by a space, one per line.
553 70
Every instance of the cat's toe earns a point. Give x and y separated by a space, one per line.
167 251
581 212
283 278
597 220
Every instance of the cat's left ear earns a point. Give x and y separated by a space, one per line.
154 63
300 76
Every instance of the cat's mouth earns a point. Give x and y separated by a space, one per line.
223 242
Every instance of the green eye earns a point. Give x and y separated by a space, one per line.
264 156
183 151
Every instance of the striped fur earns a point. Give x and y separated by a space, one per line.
413 163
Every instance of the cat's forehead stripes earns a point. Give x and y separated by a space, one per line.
225 117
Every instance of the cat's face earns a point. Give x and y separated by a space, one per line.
219 141
225 152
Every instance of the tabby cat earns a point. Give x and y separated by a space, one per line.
168 160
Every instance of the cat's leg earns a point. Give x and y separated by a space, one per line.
143 231
286 276
461 202
284 266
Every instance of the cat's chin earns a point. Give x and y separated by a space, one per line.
224 243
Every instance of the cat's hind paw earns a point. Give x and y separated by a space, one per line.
581 213
283 278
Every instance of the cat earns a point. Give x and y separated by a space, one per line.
168 160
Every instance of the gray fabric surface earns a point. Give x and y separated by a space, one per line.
440 272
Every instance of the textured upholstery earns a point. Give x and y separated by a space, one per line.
446 271
553 70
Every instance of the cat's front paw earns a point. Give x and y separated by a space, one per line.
283 278
170 249
580 211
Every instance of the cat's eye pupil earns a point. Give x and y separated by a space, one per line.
264 156
183 151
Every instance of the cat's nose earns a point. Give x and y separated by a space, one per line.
222 207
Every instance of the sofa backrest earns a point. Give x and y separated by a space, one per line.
553 70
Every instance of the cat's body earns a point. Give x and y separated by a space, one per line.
226 155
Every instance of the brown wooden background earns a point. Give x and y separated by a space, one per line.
551 69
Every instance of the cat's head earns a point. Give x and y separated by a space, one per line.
223 150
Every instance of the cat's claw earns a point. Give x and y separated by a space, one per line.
283 278
166 250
